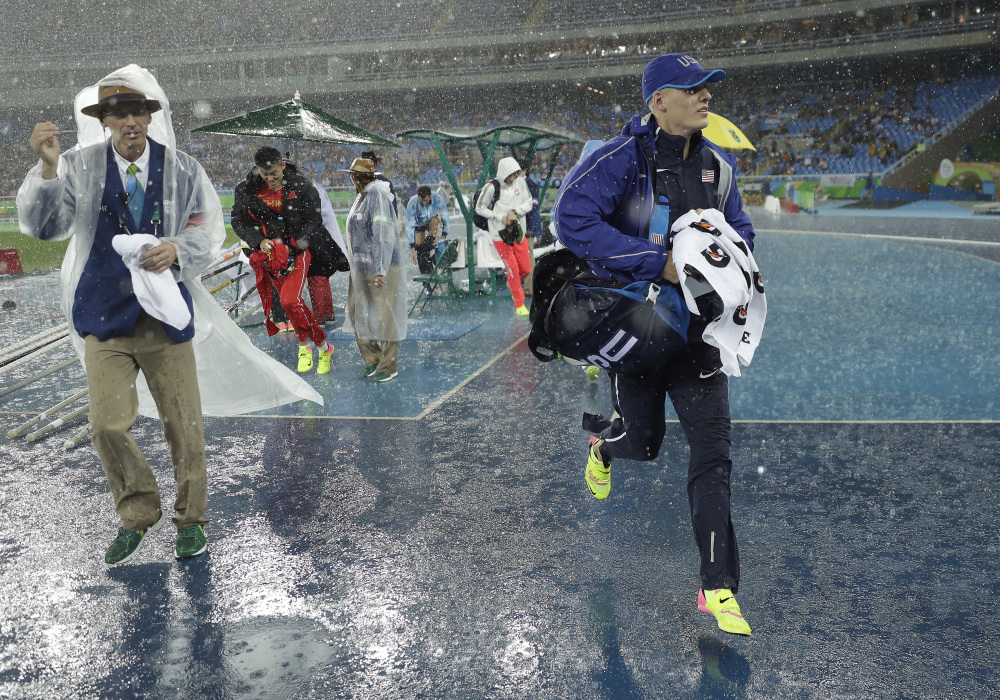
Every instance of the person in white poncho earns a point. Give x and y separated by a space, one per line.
376 298
137 184
504 203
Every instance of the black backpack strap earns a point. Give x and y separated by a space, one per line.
496 192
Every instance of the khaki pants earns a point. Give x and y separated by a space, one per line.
169 369
378 352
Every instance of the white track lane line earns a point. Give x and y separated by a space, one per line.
881 237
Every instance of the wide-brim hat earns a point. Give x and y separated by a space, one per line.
111 95
361 166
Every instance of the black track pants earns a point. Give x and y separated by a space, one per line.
702 406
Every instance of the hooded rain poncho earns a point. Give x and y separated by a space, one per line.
374 246
233 375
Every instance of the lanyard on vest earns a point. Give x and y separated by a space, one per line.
651 164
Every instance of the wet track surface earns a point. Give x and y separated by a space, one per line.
433 537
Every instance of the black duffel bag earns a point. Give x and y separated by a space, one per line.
633 329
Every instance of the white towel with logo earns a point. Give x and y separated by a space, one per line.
157 292
710 256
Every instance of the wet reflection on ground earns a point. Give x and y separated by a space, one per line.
461 556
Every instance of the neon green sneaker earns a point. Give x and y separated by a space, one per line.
722 604
324 359
305 358
597 473
191 542
521 310
127 543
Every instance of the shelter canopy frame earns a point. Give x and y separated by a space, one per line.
523 142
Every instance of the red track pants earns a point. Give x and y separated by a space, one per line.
517 259
322 299
290 288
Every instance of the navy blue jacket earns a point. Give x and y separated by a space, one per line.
603 209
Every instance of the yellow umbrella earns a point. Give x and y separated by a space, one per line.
723 132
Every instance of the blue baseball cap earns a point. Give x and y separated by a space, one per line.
676 70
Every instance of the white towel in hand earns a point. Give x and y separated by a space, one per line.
157 292
723 261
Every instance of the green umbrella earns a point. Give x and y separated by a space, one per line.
296 120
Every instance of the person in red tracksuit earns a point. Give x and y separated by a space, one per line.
276 212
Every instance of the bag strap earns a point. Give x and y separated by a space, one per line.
496 192
651 164
654 292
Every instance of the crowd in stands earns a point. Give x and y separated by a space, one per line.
879 128
798 131
193 24
227 25
705 42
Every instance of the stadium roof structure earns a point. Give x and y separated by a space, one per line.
299 121
522 141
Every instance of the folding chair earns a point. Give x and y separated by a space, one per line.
440 275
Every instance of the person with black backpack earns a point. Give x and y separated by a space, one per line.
614 212
500 208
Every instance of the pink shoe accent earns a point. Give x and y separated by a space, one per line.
593 439
703 606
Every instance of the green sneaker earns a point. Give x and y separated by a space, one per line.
127 543
191 542
385 376
369 370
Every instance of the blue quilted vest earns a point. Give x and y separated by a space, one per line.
105 305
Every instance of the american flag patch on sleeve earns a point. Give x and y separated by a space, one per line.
708 176
656 238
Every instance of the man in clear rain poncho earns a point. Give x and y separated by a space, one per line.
376 298
144 223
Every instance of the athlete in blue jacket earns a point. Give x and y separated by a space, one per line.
603 216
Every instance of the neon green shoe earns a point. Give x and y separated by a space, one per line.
597 473
305 358
722 604
126 545
521 310
324 360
